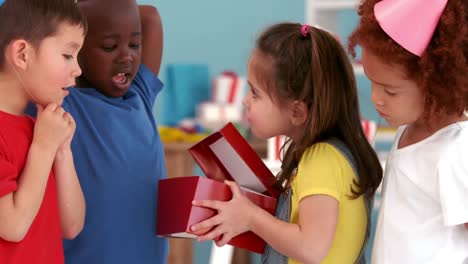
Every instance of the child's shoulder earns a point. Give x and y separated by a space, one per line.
324 147
147 84
448 137
324 162
445 149
455 138
452 136
323 153
145 73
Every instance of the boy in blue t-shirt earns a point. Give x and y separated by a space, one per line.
118 152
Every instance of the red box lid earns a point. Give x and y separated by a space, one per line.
226 155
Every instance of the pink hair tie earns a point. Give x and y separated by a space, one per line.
305 30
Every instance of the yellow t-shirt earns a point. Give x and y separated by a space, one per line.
324 170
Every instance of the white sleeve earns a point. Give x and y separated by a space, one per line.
453 183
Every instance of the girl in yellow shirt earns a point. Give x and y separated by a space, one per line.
302 85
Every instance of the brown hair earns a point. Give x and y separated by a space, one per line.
316 70
34 20
441 71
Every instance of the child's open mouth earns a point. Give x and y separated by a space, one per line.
121 80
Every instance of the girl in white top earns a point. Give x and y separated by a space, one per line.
415 53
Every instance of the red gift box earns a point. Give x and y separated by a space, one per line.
223 155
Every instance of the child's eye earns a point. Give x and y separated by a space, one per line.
254 92
109 48
390 93
135 45
68 57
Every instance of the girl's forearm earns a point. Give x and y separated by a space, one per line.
286 238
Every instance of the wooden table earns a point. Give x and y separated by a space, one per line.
179 163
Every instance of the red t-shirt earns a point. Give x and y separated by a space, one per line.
43 242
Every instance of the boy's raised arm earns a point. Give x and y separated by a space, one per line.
152 32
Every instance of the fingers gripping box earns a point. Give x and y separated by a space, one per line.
224 155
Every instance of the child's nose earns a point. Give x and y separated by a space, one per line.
125 55
376 98
244 101
77 70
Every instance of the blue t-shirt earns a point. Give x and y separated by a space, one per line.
119 159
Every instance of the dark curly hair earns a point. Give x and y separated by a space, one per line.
441 71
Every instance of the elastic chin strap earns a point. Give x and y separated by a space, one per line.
22 84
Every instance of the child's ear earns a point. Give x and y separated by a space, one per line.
299 113
19 53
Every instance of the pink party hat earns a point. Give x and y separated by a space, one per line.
411 23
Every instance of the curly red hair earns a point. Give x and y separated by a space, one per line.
441 71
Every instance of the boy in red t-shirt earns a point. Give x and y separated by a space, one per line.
40 197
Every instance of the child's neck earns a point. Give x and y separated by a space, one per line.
421 130
12 97
438 122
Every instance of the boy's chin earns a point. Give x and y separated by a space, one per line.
114 93
116 90
45 103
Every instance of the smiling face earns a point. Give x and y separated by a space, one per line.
398 99
111 52
53 66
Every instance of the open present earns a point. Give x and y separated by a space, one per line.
224 155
